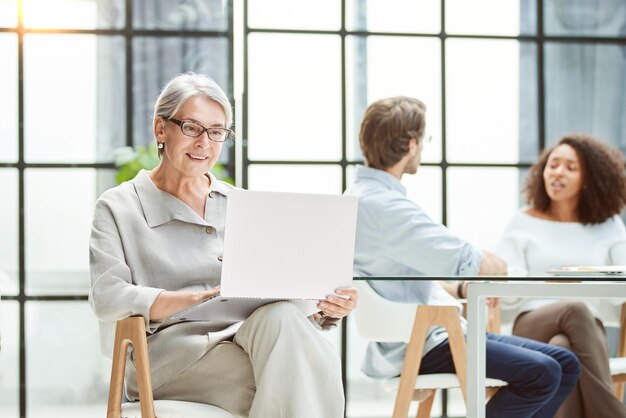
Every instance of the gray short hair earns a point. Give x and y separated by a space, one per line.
184 86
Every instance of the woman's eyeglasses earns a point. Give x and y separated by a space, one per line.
194 130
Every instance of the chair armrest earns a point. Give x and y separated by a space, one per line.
131 330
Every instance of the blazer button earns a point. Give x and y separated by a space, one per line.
219 258
210 229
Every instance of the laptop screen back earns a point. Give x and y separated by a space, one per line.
287 245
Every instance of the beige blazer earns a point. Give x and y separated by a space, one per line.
143 241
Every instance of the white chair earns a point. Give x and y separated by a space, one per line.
378 319
132 330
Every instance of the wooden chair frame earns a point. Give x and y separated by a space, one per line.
427 316
131 330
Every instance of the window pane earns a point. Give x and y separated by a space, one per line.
370 77
294 14
294 99
491 112
67 375
74 14
295 178
56 212
74 97
8 225
491 17
394 15
9 360
585 92
481 224
8 92
8 13
180 14
172 56
585 18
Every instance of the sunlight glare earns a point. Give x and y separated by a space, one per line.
54 14
8 13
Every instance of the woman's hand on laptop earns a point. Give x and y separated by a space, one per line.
340 304
170 302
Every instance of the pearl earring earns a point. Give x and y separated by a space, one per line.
160 146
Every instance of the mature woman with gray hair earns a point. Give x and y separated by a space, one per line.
155 249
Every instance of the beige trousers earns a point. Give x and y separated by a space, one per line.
278 366
571 325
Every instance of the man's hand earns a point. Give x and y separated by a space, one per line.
492 265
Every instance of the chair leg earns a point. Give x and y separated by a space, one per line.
412 360
424 408
619 391
114 408
490 392
130 331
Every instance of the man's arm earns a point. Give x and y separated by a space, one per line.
410 237
490 265
451 287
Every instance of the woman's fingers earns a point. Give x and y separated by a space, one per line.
340 304
351 293
212 292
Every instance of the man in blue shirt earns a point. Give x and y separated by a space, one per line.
395 237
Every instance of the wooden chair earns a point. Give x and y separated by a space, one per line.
381 320
132 330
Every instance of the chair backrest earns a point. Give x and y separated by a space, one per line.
379 319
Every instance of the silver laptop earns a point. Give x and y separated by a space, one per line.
281 246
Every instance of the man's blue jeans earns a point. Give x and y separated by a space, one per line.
540 376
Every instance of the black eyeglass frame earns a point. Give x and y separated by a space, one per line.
230 134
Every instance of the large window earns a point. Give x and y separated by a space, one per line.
502 80
78 79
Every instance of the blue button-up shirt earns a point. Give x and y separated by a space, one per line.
395 237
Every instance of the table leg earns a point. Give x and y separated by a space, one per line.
476 356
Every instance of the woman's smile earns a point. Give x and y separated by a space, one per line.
196 157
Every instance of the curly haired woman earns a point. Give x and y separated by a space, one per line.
575 192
